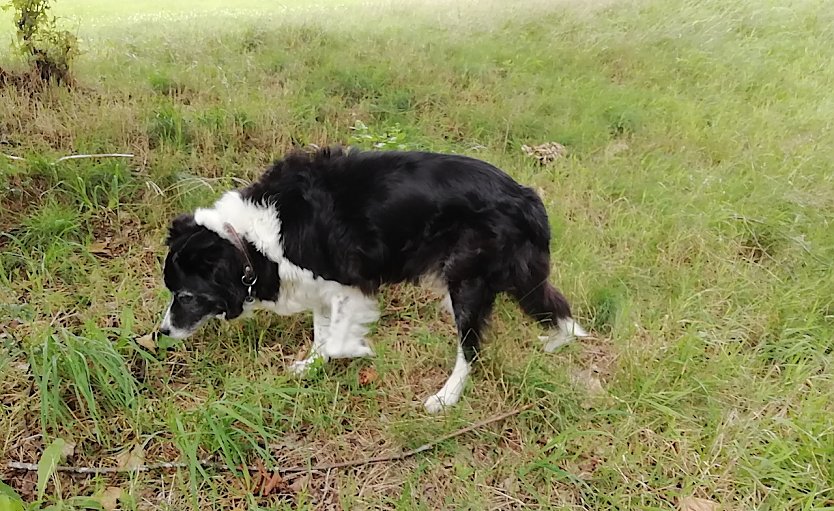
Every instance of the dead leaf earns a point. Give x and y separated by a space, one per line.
262 477
510 484
367 375
300 483
589 380
109 499
69 449
276 481
588 466
147 341
131 459
100 248
697 504
545 153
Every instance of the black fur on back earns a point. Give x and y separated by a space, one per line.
371 218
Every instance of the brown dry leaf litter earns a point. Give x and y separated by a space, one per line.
109 498
131 458
697 504
147 341
545 153
69 449
367 376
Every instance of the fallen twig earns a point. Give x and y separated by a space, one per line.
416 450
105 470
75 157
79 156
278 470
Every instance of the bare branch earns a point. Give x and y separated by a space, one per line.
75 157
79 156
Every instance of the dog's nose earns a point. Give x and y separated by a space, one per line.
165 331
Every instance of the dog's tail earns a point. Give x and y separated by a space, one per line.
565 328
545 304
526 277
540 300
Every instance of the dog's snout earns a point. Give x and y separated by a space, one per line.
165 330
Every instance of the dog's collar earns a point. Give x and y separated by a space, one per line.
249 277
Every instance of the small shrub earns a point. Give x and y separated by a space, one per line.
50 51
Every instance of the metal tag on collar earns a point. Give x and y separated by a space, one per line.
249 279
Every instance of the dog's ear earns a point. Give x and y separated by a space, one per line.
181 225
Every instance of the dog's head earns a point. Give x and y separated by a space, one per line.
203 272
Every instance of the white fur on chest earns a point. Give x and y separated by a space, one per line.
260 224
299 291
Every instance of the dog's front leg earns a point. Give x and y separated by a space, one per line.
339 328
321 338
351 313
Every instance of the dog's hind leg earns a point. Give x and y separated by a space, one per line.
472 302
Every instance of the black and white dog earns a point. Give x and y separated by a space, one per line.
323 231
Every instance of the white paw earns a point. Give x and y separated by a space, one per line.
301 367
352 351
555 341
567 331
572 328
438 403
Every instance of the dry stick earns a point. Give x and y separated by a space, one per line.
78 156
75 157
101 470
253 468
412 452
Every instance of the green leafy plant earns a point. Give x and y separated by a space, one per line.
48 464
389 138
9 499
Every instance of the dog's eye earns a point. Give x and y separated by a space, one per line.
185 299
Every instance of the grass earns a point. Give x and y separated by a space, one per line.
692 231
